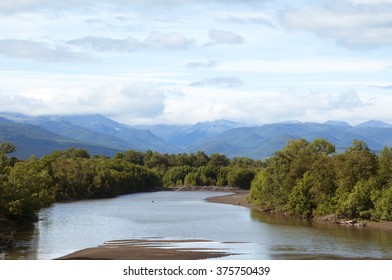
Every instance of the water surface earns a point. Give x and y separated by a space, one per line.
248 234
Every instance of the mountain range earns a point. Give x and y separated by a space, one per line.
101 135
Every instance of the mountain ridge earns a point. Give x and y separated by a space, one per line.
102 134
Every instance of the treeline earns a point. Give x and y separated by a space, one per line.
305 178
310 179
29 185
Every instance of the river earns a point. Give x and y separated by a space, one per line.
247 234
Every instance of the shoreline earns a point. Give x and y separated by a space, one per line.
239 198
155 249
147 249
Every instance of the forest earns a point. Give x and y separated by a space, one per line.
29 185
307 179
311 180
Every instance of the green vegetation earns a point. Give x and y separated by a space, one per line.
306 179
310 179
29 185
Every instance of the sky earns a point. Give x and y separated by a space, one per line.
188 61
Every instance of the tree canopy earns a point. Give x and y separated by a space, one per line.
310 179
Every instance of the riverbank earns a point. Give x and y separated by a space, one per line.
239 198
138 249
7 232
174 249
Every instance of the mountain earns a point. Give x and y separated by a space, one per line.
101 135
97 130
184 136
337 123
263 141
136 139
374 123
33 140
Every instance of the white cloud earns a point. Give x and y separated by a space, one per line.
132 101
40 51
201 64
372 2
172 40
256 107
22 5
174 60
249 20
29 5
353 24
154 41
228 82
312 66
224 37
129 44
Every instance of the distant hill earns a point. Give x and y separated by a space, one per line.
337 123
263 141
374 124
184 136
137 139
97 130
33 140
101 135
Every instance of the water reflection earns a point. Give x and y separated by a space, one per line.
294 238
22 248
246 233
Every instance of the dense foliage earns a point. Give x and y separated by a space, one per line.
310 179
305 178
29 185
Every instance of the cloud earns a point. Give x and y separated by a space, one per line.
227 82
258 106
129 44
387 87
218 37
172 40
313 65
132 101
312 106
348 100
353 24
250 21
201 64
16 6
155 41
40 51
24 5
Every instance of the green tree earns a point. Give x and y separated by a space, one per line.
218 160
241 177
383 205
301 200
358 202
385 166
175 176
7 148
356 164
28 188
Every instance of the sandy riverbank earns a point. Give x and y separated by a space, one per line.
239 198
145 249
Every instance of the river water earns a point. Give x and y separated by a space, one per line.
246 233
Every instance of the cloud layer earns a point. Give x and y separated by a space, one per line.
154 41
184 61
40 51
353 24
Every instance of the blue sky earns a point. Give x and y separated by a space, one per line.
185 61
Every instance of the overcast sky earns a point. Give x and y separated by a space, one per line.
185 61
